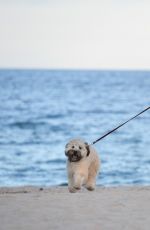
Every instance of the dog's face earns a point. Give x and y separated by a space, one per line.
76 149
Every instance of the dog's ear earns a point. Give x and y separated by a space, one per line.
66 145
87 148
66 153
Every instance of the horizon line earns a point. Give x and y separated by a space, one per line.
76 69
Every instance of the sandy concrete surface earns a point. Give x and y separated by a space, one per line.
29 208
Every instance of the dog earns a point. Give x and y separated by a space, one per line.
82 165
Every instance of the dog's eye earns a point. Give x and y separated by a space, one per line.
73 146
80 147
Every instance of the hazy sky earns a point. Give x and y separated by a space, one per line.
75 34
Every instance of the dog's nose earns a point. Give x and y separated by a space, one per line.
75 152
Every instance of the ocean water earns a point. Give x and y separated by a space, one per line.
40 110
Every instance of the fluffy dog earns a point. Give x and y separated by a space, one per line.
82 165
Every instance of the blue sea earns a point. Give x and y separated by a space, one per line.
41 110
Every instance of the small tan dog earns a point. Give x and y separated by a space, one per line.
82 165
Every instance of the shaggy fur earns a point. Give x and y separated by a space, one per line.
82 165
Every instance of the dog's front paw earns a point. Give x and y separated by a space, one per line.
72 189
90 187
77 187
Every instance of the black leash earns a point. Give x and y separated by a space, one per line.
119 126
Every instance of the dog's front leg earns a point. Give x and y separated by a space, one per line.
78 180
71 183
